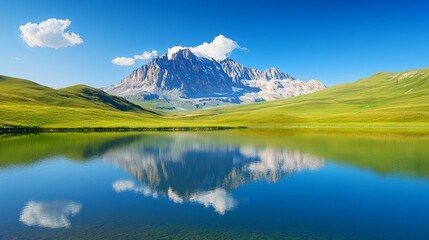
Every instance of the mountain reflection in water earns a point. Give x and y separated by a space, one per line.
238 184
185 168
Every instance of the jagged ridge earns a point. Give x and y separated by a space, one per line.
202 82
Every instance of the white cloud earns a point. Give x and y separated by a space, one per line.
173 50
50 33
219 49
146 55
15 58
129 61
124 61
49 214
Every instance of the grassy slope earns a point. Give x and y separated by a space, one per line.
382 99
25 103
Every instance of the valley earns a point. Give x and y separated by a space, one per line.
384 99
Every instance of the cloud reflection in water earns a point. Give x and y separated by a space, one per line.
49 214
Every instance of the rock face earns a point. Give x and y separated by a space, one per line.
238 72
188 81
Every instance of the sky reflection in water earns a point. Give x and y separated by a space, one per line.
281 185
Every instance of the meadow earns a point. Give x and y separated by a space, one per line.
382 100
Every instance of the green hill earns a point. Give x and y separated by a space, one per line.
27 104
19 91
382 99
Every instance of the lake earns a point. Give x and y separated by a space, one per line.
238 184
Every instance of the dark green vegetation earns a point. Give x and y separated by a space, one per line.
384 99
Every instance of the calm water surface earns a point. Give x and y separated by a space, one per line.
214 185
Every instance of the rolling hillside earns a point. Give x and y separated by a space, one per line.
19 91
383 99
26 104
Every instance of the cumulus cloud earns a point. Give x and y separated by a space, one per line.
129 61
173 50
49 214
123 61
219 49
50 33
146 55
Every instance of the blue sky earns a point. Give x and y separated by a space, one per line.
331 41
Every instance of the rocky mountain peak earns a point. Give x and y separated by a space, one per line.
274 73
187 79
183 54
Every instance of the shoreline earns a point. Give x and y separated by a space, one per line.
119 129
175 129
338 127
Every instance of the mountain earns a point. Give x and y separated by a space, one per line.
238 72
187 81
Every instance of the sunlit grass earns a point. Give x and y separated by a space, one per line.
384 99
